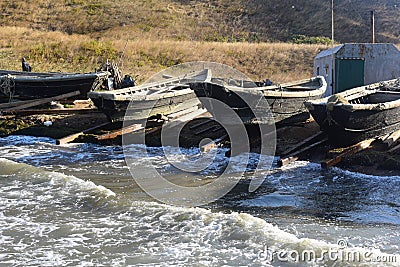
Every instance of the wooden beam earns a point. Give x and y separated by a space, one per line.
305 141
392 138
26 112
200 124
43 101
351 150
13 104
287 161
72 137
293 156
185 117
213 144
181 113
395 148
244 148
128 129
154 129
212 127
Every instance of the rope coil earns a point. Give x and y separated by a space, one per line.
7 86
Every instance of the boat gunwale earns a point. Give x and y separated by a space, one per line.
356 93
127 93
266 91
54 78
151 97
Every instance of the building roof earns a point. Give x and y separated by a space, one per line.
328 52
336 49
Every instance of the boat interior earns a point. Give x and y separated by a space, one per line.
303 85
376 97
149 90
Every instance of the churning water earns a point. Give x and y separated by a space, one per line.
78 205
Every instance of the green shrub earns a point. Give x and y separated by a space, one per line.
95 48
303 39
48 51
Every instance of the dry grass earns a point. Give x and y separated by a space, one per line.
206 20
56 51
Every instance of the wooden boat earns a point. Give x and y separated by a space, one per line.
164 97
359 113
285 101
32 85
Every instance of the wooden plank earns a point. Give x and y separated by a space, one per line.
293 156
129 129
287 161
305 141
185 117
244 148
217 128
155 129
394 149
348 151
26 112
44 101
200 124
392 138
281 129
182 112
213 144
212 127
383 137
178 120
72 137
13 104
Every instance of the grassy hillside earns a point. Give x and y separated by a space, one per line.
207 20
78 35
57 51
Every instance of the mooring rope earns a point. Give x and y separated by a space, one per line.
98 82
7 86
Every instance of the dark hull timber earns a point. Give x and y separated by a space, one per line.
285 101
360 113
34 85
116 110
141 102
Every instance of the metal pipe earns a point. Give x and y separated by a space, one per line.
333 46
372 27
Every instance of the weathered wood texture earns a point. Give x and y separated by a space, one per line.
293 156
122 131
72 137
27 112
348 151
41 101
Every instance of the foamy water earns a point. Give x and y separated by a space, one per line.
78 205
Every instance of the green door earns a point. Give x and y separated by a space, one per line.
349 73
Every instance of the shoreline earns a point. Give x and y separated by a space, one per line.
372 161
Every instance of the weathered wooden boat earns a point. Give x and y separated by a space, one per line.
32 85
285 101
164 97
359 113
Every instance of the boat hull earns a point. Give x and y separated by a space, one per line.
42 85
358 114
282 109
346 127
136 110
161 97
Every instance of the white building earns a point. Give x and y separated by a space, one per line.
354 65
